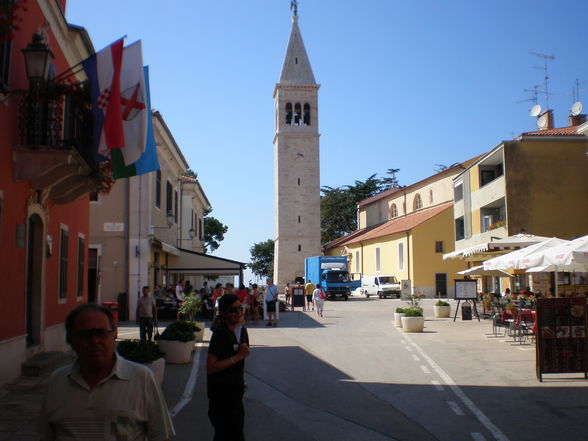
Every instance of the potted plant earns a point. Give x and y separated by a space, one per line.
177 341
442 309
413 320
398 317
191 307
144 352
197 329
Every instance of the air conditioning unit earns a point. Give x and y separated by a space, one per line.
486 222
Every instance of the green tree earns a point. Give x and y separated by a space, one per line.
214 231
339 205
262 258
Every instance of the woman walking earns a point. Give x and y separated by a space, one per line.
225 366
319 297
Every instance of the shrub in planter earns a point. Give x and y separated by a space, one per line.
413 312
442 309
400 310
139 351
179 331
398 317
144 352
177 340
191 307
413 320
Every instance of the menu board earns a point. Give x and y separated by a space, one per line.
562 345
297 296
466 289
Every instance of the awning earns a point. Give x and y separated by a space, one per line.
488 250
191 262
170 249
480 271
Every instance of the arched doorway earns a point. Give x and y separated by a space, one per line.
34 288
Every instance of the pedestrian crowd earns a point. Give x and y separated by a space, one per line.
102 395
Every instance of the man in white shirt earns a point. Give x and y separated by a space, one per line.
271 298
146 315
101 396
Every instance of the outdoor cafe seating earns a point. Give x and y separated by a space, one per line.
515 319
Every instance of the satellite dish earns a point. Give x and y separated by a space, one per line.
535 110
543 121
576 108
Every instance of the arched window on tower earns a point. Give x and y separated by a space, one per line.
288 113
297 112
306 118
417 202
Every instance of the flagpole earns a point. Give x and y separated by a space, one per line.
79 64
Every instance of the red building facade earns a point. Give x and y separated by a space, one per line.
46 174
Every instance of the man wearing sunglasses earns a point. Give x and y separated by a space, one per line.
102 395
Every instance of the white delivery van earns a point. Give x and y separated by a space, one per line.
382 286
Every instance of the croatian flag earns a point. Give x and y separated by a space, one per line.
103 71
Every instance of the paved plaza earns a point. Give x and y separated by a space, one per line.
352 375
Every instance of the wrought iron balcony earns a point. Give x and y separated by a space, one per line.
55 149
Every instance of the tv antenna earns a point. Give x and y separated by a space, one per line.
546 57
534 94
575 92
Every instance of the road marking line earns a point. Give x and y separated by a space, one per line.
415 357
409 349
480 416
455 407
437 385
190 384
478 436
425 369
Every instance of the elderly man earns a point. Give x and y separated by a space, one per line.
101 395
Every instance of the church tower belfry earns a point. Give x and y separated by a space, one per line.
296 162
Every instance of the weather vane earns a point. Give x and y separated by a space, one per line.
294 7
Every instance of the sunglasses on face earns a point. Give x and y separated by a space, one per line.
234 309
88 334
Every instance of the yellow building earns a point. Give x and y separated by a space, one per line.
537 183
404 232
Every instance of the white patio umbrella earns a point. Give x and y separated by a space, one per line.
510 261
566 257
569 257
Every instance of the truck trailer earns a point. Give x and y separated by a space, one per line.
332 273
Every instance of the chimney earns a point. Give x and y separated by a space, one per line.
545 120
576 120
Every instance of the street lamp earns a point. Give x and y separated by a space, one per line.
38 58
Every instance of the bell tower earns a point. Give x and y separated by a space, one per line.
296 162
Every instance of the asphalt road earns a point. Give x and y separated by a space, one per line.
352 375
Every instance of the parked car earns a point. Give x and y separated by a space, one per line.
382 286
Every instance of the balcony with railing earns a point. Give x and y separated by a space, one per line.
55 148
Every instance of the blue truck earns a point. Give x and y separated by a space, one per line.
332 273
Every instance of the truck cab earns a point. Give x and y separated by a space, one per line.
380 285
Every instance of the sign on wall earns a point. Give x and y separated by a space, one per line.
114 227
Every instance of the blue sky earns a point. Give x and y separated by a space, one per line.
403 84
